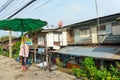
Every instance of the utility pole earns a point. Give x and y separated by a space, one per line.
10 32
98 23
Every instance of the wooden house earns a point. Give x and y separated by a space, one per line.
52 38
88 32
56 37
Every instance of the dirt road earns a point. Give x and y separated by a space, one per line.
10 70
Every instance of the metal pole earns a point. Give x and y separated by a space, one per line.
46 48
98 23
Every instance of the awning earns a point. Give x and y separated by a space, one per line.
96 52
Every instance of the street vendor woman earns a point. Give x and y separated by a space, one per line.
24 52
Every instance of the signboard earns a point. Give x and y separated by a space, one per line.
41 50
28 41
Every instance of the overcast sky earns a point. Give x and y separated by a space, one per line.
69 11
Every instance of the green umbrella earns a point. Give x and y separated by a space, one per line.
21 25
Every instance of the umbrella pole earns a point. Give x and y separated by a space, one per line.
46 50
10 42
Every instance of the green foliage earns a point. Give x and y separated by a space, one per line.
1 50
5 38
115 72
118 65
16 49
88 62
5 53
78 72
89 67
16 46
102 74
90 71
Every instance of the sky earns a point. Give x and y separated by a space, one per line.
68 11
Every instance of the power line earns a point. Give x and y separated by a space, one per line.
12 10
35 8
9 9
21 8
6 4
28 8
44 4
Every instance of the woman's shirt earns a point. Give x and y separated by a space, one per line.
24 50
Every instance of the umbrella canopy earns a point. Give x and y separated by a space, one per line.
21 25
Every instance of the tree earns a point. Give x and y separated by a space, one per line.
5 38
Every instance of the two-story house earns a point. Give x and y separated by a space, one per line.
89 32
86 32
108 30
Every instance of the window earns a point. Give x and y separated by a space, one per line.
116 23
57 36
84 33
116 30
102 27
40 40
70 35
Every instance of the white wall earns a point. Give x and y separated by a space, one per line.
49 39
94 34
116 30
64 39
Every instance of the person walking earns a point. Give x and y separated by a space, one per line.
24 53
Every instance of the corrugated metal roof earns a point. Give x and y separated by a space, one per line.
92 22
52 30
97 52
